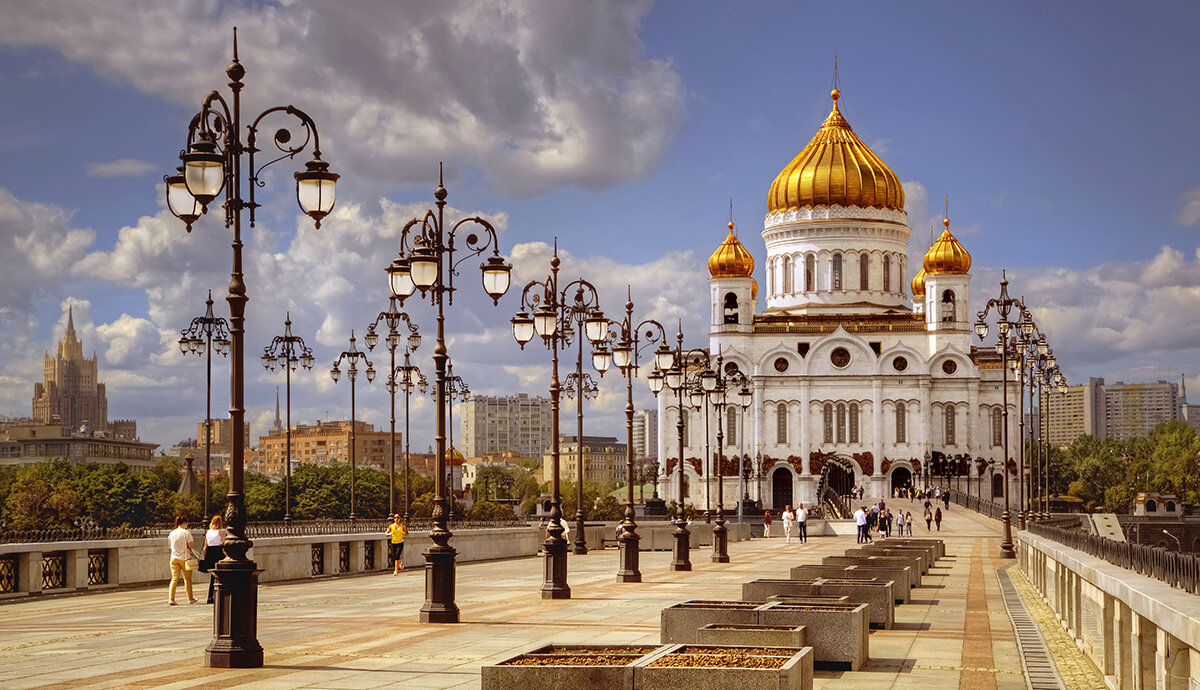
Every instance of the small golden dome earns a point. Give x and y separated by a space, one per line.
918 284
731 260
836 169
453 455
753 289
947 255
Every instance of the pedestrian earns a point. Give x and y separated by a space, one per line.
908 520
802 524
888 524
180 542
860 520
946 498
900 524
928 519
396 532
937 517
789 519
214 538
766 524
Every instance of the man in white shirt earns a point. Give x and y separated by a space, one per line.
180 543
802 524
860 519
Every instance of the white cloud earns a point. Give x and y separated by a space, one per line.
130 341
122 167
559 92
1189 211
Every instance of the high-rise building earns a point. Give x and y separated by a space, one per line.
1078 411
1119 410
493 424
222 435
604 460
645 435
70 393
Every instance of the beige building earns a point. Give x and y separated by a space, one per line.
325 442
604 460
222 436
33 443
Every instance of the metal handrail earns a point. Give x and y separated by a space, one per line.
39 536
1180 570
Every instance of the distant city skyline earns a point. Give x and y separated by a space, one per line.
620 129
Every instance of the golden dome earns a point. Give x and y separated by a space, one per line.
947 255
453 455
836 169
754 289
731 260
918 284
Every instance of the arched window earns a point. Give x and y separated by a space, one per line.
771 288
997 426
948 307
854 422
887 273
828 414
781 423
901 424
836 282
1151 507
841 423
864 272
810 272
950 425
731 308
1170 506
787 276
731 428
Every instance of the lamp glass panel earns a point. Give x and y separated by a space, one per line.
596 327
204 178
545 322
496 279
664 357
316 195
674 378
622 355
424 269
181 201
522 327
601 361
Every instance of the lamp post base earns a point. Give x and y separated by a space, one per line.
1006 546
439 586
555 585
681 559
628 543
235 617
1024 518
720 553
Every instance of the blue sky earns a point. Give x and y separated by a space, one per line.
1063 134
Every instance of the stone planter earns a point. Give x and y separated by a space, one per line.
752 635
720 668
919 556
876 594
679 623
898 576
914 577
837 633
568 667
938 546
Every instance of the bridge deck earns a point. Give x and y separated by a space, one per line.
363 631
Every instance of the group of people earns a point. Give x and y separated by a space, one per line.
880 519
184 559
794 522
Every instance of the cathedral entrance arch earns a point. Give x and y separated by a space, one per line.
781 488
901 479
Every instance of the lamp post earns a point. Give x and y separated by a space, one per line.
551 315
352 357
684 375
199 338
627 343
409 377
456 387
426 262
392 318
719 398
212 162
287 351
745 400
1003 304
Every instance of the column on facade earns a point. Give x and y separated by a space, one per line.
804 439
984 424
759 392
926 419
877 434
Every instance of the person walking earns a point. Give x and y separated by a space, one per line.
766 524
180 542
397 531
900 524
860 520
789 519
802 524
908 520
214 551
928 518
946 498
937 517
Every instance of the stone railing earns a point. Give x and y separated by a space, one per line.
983 506
1180 570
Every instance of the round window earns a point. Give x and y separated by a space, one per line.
840 357
781 364
949 367
899 364
731 368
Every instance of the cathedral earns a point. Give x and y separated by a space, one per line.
853 384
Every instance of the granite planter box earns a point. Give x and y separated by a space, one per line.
876 594
752 635
679 623
938 546
919 556
837 633
568 667
696 667
898 576
914 577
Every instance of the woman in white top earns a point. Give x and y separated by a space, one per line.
789 521
213 551
180 543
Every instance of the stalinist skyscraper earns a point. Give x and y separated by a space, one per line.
70 393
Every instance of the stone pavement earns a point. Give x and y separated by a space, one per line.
363 631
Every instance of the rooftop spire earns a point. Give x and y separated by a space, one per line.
70 318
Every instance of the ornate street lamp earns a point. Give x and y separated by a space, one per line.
352 357
392 318
456 388
206 333
745 398
287 351
551 315
627 342
426 263
407 376
212 163
1004 305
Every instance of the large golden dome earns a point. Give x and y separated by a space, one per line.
947 255
731 260
918 284
836 169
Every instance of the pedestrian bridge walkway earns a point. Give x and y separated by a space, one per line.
363 631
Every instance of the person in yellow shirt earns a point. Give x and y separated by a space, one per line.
397 531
